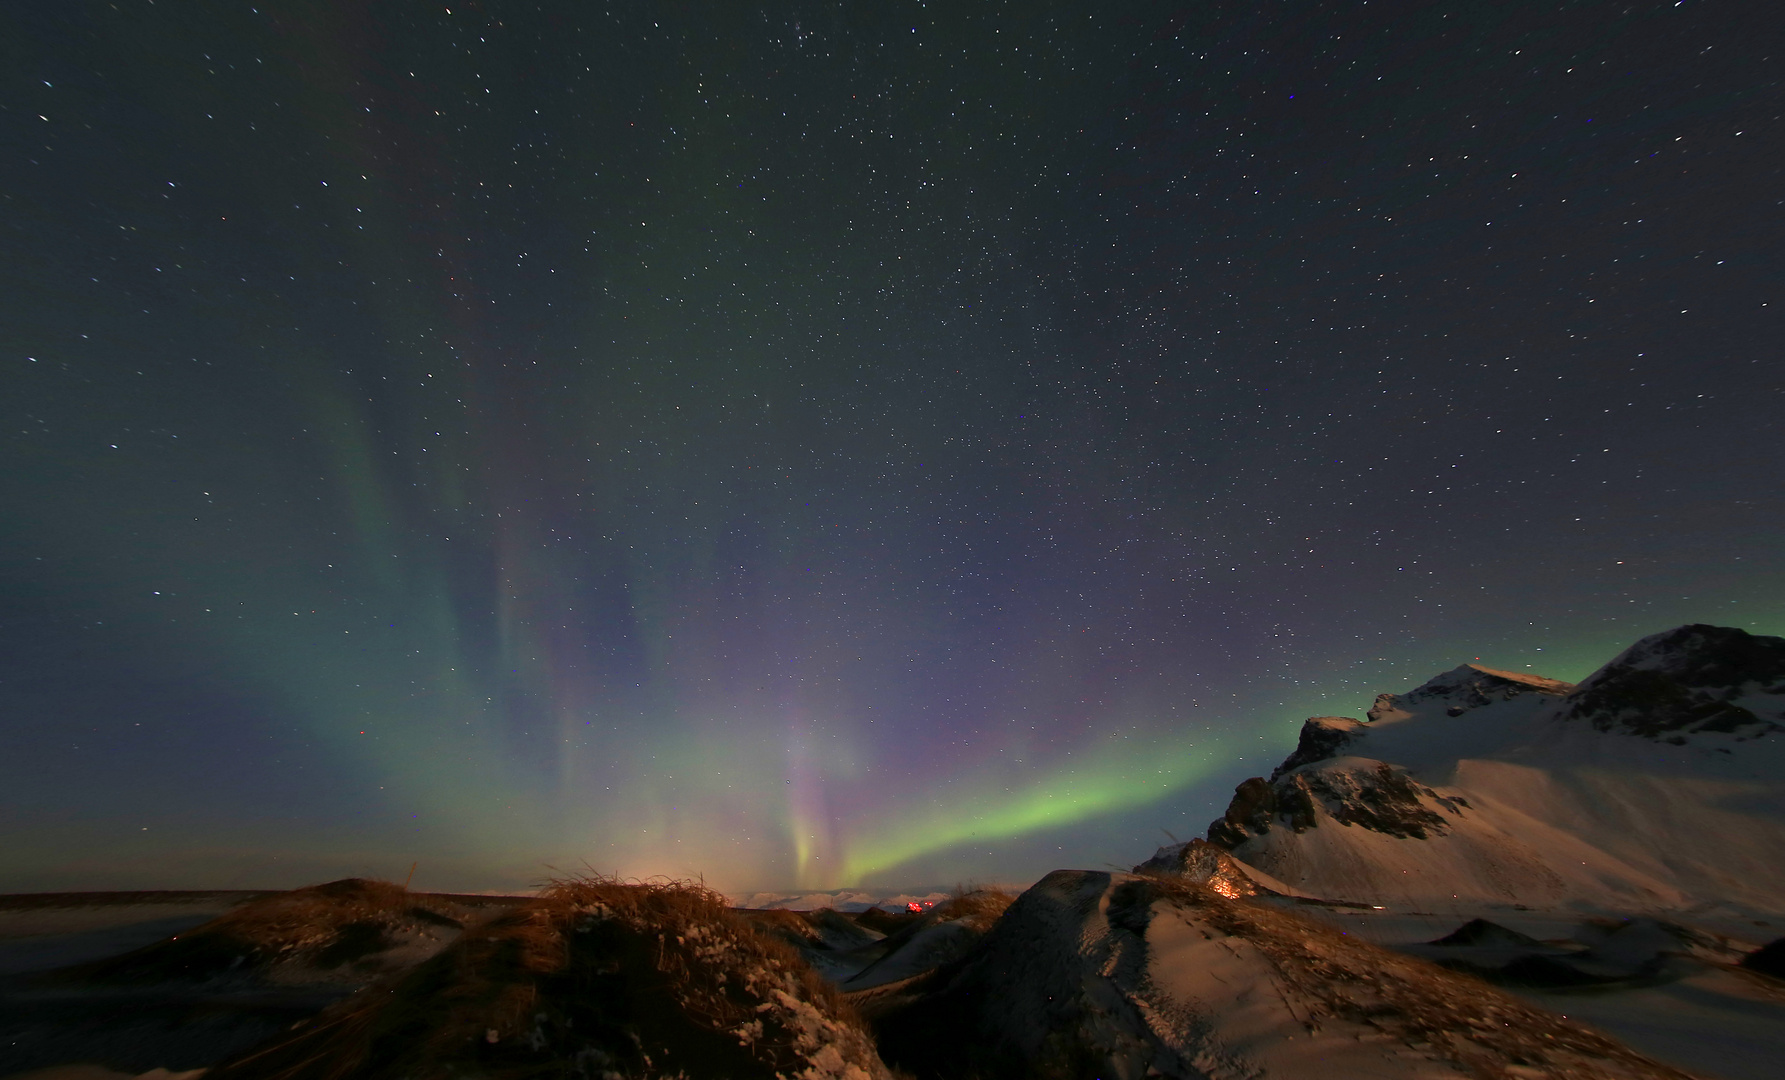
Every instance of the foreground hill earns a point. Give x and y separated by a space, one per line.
592 978
201 989
344 933
1099 974
1658 782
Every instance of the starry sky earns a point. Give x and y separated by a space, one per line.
820 444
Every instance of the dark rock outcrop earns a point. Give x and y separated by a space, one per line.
1253 810
1322 737
1374 795
1769 959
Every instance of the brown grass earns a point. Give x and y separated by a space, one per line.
594 977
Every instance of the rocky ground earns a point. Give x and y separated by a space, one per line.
1195 967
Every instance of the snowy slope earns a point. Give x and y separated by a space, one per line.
1657 783
1117 975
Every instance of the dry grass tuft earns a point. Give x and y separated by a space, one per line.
593 978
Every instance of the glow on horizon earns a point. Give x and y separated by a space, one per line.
1063 796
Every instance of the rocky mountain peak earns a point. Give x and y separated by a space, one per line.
1322 737
1708 657
1693 678
1463 688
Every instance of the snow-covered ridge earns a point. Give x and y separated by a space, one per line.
1692 679
1463 688
1654 784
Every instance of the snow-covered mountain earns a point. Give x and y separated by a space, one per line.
1658 782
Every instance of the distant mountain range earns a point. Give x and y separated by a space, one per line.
1658 782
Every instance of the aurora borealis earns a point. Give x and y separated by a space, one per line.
823 444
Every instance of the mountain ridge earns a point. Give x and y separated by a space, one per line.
1652 784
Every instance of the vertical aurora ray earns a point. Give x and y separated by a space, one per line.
810 818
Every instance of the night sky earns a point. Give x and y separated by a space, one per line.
816 444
